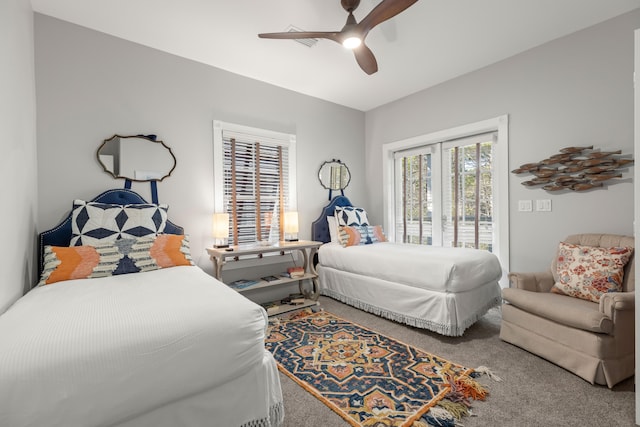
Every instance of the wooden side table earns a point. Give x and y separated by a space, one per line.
307 248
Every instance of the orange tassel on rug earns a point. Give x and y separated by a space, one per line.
470 388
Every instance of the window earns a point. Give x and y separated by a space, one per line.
466 205
468 192
254 174
414 196
450 188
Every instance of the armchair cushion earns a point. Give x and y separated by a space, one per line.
588 272
572 312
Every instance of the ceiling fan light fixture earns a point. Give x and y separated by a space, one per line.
353 33
352 42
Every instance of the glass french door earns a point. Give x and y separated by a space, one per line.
444 193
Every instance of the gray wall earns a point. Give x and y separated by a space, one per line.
91 85
577 90
18 164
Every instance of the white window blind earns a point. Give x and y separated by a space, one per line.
255 170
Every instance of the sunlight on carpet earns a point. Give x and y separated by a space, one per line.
369 379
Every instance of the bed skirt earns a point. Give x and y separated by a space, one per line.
443 312
251 400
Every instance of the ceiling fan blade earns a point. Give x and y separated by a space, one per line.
365 59
387 9
331 35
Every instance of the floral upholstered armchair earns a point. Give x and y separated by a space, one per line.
579 314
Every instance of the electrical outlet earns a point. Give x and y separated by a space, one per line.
525 206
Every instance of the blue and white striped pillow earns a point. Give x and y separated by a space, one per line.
360 235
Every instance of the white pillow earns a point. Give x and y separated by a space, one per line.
333 229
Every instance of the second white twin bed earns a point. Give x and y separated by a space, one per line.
444 290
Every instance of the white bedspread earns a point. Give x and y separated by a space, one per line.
101 351
426 267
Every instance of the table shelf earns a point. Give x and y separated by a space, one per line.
266 284
307 249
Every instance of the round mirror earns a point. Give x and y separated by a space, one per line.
334 175
137 158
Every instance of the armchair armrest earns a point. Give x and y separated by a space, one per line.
613 302
534 282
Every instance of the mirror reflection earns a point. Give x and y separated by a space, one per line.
334 175
137 158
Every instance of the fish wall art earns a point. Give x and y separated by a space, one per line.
575 169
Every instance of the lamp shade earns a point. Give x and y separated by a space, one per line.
291 222
220 225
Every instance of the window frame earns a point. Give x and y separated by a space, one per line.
263 136
465 142
500 125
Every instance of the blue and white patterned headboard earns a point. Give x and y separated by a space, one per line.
60 235
320 227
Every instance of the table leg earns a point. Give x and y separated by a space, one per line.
309 268
218 263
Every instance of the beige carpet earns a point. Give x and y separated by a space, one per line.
533 392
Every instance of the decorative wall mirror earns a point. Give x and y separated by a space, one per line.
136 158
334 175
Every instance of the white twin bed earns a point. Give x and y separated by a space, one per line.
168 347
444 290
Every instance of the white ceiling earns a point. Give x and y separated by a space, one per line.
429 43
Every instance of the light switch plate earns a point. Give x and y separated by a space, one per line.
543 205
525 206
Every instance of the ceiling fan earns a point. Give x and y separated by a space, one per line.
353 33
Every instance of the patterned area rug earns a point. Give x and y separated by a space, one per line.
369 379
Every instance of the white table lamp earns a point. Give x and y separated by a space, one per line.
291 226
221 230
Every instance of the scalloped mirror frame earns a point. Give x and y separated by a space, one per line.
145 170
334 175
